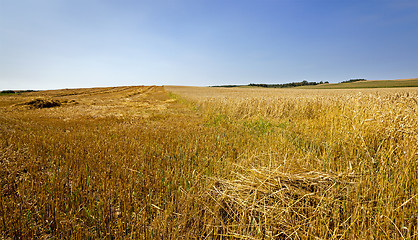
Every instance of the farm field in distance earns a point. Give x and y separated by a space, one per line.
398 83
151 162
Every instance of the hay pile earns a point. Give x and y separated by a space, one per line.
43 103
280 205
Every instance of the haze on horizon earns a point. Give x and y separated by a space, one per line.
56 44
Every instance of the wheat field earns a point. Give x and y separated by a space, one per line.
149 162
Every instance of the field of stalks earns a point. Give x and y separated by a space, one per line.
209 163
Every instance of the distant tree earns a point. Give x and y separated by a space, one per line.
354 80
8 91
284 85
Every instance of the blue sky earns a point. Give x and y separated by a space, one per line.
50 44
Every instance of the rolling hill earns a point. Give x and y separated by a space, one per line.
399 83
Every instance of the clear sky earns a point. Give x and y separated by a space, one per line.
51 44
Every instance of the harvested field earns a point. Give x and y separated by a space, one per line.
149 162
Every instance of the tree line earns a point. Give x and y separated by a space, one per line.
281 85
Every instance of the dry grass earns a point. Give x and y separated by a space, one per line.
274 204
137 162
369 134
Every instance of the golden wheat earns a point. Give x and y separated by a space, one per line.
138 162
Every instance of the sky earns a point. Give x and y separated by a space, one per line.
54 44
